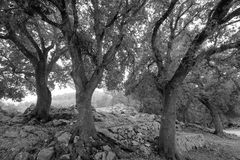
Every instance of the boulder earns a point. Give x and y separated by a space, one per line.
45 154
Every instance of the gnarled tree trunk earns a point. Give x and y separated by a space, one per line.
167 144
215 115
85 125
44 97
85 128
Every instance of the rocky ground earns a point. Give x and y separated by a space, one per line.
133 132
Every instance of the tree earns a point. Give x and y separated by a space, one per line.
215 82
217 17
38 42
91 49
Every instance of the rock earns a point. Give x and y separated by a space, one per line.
29 128
11 134
29 109
146 150
33 121
148 144
63 137
22 156
17 119
45 154
4 118
60 122
188 141
100 156
65 157
111 156
62 113
135 143
23 134
76 138
106 148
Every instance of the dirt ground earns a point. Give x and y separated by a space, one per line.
217 148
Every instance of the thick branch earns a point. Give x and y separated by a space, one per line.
109 56
206 54
40 35
111 21
4 36
47 49
75 15
180 13
155 49
31 39
160 21
99 32
189 60
55 58
95 78
185 26
139 8
30 55
46 19
232 15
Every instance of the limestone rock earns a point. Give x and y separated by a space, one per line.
65 157
145 150
60 122
11 134
23 134
17 119
100 156
4 118
105 156
63 137
22 156
45 154
189 141
138 130
29 109
106 148
29 128
111 156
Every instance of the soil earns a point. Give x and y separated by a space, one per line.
226 147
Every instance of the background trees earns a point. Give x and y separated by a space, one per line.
39 43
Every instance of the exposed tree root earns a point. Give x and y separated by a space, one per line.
86 148
33 115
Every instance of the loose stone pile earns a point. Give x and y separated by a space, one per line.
50 141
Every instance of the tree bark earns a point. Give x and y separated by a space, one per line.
166 142
215 115
85 86
85 122
85 127
44 97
